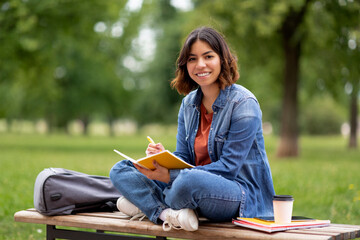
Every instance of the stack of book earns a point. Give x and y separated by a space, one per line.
268 225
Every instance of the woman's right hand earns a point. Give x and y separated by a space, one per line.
154 148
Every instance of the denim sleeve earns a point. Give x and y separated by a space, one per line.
245 123
173 174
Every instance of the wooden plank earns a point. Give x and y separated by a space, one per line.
98 223
356 228
117 215
346 226
227 225
281 235
107 223
242 233
334 236
345 233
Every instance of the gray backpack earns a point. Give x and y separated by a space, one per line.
60 191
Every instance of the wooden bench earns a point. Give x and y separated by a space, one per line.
109 225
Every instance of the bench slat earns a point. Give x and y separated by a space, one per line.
356 228
345 233
335 236
111 222
353 230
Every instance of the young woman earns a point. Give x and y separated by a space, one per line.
220 132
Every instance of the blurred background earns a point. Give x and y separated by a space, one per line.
104 67
80 78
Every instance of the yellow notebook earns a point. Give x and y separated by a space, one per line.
164 158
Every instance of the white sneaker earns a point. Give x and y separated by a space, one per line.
181 219
128 209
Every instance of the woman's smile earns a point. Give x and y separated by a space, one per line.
203 74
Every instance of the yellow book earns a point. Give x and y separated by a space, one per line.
163 158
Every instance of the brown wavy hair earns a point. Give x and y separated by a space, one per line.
228 74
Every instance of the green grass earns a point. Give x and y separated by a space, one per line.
324 180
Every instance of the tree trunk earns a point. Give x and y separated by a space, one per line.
50 120
353 118
86 122
111 126
288 146
291 43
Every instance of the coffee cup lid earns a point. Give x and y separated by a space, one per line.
283 198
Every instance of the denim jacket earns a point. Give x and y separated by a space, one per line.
236 145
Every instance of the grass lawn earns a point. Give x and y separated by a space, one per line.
324 180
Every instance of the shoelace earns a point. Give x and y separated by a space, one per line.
140 215
168 225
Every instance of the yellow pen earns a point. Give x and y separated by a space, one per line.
150 140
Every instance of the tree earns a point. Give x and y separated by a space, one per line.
257 27
61 60
35 37
335 56
268 34
347 47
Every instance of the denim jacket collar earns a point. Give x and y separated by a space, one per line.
219 102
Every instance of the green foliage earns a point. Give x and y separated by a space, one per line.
330 62
56 66
322 117
327 63
324 180
158 102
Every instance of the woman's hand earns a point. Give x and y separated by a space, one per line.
159 173
154 148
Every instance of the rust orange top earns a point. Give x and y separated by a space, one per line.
201 140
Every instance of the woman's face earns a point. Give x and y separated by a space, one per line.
203 64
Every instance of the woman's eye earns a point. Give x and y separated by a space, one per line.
191 59
209 56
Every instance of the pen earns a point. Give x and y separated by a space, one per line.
150 140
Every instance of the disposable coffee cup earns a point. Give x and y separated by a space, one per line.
283 206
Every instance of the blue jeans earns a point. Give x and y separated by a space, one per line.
212 196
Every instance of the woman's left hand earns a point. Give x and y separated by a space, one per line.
160 173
